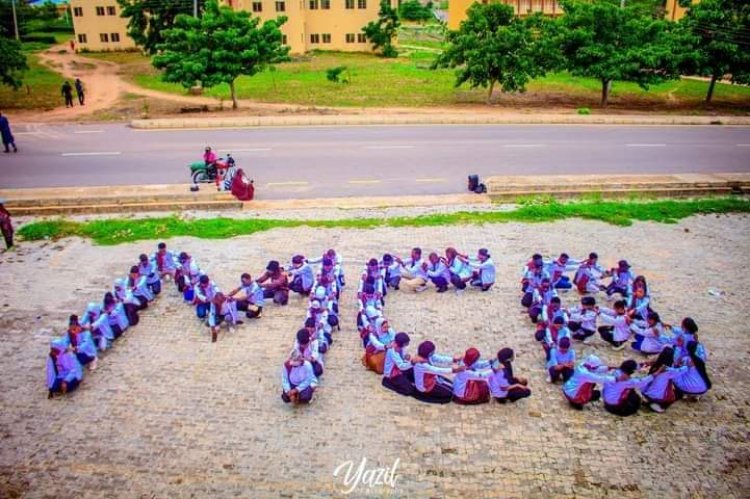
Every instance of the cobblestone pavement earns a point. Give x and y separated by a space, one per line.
168 414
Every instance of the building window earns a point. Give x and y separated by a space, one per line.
283 39
349 4
326 38
361 38
104 37
111 11
313 4
315 38
280 6
81 38
257 6
78 11
115 37
361 4
325 4
100 11
350 38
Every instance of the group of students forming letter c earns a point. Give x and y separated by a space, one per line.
678 371
425 376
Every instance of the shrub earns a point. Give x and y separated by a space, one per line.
336 75
583 110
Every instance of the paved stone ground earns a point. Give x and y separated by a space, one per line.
168 414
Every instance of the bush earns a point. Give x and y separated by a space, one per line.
583 110
336 75
412 10
49 39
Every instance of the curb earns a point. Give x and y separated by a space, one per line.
438 119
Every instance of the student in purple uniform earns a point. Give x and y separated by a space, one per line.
552 335
222 310
588 274
166 263
391 271
298 381
616 329
413 276
580 389
470 385
695 382
650 338
137 285
309 350
147 269
620 396
64 372
582 323
204 295
504 385
430 379
558 268
533 281
373 276
459 267
186 277
661 393
541 297
398 372
561 361
622 280
251 301
437 272
302 276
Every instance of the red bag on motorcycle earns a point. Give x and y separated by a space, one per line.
242 187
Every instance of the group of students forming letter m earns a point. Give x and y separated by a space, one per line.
425 376
104 322
678 371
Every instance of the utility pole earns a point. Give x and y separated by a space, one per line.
15 18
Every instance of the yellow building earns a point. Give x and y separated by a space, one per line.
457 9
98 26
674 11
310 25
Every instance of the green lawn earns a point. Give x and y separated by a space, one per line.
622 213
41 86
408 82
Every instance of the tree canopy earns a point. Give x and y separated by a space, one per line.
720 32
382 32
148 19
219 47
603 41
413 10
12 61
494 46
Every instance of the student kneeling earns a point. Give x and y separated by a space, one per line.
297 380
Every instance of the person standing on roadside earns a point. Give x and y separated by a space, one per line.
6 134
6 226
67 92
79 91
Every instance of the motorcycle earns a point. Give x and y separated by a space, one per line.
202 174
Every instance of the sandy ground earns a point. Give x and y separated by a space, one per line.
169 414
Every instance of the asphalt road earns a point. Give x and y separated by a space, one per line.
357 161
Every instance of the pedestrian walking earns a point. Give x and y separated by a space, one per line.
7 135
5 225
79 91
67 92
72 45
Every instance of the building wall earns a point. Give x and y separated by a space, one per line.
309 26
457 9
673 11
308 21
92 20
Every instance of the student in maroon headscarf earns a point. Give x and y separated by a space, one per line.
470 385
429 379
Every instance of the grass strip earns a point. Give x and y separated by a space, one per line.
619 213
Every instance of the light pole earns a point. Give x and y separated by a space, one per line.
15 18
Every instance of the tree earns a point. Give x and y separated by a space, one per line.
219 47
382 32
413 10
493 45
721 41
148 19
12 61
603 41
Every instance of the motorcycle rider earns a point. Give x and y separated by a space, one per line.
210 159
